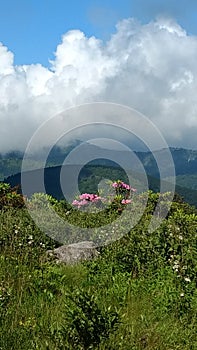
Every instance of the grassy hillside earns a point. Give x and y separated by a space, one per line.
140 293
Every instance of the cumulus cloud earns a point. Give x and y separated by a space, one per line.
150 67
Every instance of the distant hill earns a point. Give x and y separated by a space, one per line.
10 163
188 181
89 178
185 162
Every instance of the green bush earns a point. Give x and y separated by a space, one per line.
9 197
87 323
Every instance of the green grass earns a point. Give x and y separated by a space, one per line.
140 293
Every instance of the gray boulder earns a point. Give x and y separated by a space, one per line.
74 253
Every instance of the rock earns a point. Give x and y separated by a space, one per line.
73 253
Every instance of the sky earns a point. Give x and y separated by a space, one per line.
57 54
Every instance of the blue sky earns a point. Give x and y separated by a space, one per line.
32 29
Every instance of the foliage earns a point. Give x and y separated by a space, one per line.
140 293
87 323
9 197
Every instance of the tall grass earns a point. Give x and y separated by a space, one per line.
140 293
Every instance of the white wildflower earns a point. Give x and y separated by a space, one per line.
187 279
176 266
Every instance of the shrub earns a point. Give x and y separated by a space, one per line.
88 323
9 197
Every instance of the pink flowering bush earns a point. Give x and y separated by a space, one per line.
85 199
123 192
122 188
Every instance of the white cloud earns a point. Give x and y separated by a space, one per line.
151 68
6 61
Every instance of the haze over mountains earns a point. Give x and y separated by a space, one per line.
185 163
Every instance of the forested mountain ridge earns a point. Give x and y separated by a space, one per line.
185 160
89 178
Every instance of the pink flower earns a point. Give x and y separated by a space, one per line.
126 201
83 202
96 198
75 202
127 187
121 184
79 203
84 196
133 189
115 185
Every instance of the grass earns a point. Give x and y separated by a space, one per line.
140 293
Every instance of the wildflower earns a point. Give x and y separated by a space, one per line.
83 202
176 266
187 279
75 202
122 196
85 199
126 201
127 187
133 189
85 196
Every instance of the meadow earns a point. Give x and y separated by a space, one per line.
140 293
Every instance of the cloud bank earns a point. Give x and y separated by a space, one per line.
150 67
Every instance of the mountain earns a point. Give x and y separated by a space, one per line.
89 179
10 163
102 166
189 181
185 160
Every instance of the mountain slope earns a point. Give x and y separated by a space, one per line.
185 161
89 178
